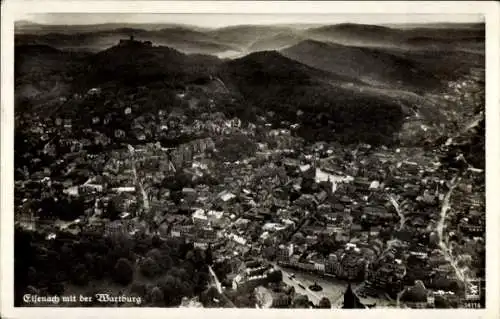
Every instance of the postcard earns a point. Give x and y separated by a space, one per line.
242 158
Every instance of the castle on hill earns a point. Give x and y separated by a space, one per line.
132 42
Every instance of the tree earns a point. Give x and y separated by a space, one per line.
32 275
157 297
269 253
209 259
149 267
245 300
56 288
275 276
326 246
207 297
80 275
441 302
236 147
301 301
254 230
307 185
325 303
155 254
299 238
98 267
112 212
170 287
138 288
123 272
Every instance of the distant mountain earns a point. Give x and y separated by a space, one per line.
373 66
24 26
355 34
332 109
350 83
180 38
442 25
277 41
188 41
244 36
234 41
373 35
447 64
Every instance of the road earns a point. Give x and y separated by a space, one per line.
214 278
137 181
332 289
398 298
398 210
313 296
473 122
391 243
440 230
214 281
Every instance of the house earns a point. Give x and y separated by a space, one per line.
116 228
237 239
321 197
375 185
416 296
181 231
351 263
226 196
200 218
125 189
284 252
320 266
94 91
189 193
331 264
281 300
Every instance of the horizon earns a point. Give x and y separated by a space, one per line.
213 21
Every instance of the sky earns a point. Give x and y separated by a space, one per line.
223 20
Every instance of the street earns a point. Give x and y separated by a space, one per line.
332 290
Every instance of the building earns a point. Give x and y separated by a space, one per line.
351 263
27 221
182 231
351 301
252 277
331 264
319 266
189 194
216 218
199 218
131 42
417 296
116 228
281 300
284 252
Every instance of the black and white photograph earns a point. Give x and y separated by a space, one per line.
249 160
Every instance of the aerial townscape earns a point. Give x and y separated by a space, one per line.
333 166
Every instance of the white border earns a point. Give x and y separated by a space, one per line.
490 9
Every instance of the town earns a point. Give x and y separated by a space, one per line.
288 223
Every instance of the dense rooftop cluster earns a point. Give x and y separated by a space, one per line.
200 196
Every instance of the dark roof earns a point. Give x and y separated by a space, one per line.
417 293
351 301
